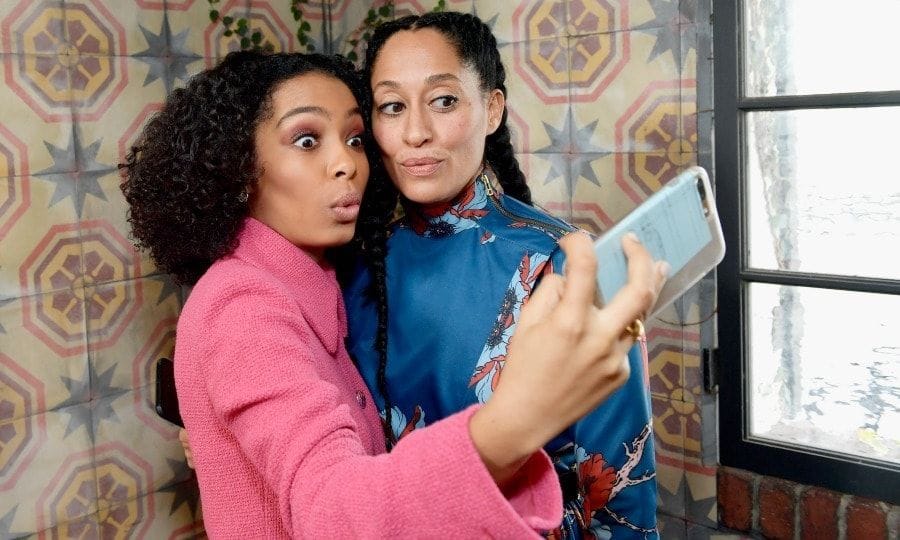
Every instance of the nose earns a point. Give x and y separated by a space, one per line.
343 162
417 130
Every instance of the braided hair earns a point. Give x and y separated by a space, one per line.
476 47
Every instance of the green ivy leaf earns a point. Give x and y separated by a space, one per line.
305 26
228 33
242 22
242 30
352 56
213 15
245 43
256 38
310 48
227 21
303 39
384 11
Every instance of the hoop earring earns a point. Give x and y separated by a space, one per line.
243 196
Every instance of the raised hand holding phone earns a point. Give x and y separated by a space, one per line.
678 224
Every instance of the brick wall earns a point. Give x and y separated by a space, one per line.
768 507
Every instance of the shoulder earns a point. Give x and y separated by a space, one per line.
233 291
530 227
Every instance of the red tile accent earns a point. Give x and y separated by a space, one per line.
819 514
866 519
776 508
735 494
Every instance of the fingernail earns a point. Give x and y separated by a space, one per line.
633 237
663 268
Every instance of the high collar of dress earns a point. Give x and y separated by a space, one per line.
462 212
315 288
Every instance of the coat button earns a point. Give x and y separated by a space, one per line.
361 399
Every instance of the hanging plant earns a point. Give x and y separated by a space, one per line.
253 38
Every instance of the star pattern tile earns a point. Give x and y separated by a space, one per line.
666 13
570 157
173 52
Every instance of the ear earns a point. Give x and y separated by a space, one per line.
496 104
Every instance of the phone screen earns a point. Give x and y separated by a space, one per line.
166 397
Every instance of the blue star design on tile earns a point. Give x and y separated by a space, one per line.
573 154
76 185
171 50
184 491
168 288
666 13
6 525
99 387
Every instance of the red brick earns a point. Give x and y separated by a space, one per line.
735 497
776 509
866 519
819 514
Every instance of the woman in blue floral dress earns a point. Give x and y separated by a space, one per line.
447 281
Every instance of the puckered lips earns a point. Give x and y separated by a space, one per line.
346 207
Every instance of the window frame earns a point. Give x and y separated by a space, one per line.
856 476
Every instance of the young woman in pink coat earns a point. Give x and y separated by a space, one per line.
242 186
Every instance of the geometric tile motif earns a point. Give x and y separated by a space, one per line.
560 69
677 422
68 266
14 200
262 18
599 55
662 126
21 430
73 66
107 481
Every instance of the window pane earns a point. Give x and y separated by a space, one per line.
818 47
824 370
823 192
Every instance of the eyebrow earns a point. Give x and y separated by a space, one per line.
313 109
431 80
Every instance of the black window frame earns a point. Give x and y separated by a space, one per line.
857 476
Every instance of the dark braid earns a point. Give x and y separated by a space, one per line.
476 47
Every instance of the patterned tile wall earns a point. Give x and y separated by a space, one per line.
608 99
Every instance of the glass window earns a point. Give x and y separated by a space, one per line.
807 100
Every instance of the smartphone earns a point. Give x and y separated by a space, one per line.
678 224
166 398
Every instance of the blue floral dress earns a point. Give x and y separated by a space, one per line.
457 275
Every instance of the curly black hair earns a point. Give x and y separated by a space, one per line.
476 47
187 177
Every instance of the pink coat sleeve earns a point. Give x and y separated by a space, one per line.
264 386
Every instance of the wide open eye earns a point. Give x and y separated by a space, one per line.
355 141
306 141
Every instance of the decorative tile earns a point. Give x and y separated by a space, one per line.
202 37
631 94
589 17
671 528
35 378
670 483
548 187
36 129
126 350
172 512
597 200
106 217
29 26
523 20
57 485
119 437
700 497
40 248
538 115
